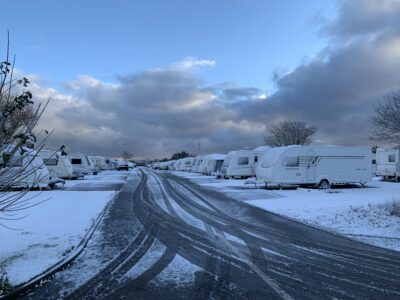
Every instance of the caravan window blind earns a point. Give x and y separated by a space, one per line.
243 160
50 161
292 161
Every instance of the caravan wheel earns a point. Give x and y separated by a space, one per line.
324 184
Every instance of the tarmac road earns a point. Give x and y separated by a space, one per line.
238 251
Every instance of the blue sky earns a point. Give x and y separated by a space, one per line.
249 40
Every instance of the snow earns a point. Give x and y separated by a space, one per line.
153 254
103 178
359 213
180 272
48 230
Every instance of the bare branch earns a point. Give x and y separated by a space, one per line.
290 133
386 119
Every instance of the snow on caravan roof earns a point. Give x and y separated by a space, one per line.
262 149
273 154
216 156
25 150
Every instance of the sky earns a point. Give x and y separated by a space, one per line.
157 77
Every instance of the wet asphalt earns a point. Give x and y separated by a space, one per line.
240 251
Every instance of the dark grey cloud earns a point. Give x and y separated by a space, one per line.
158 112
153 113
364 17
336 91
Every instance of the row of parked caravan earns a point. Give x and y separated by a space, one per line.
25 167
295 165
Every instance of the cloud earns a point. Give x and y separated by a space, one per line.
364 17
335 92
153 113
337 89
162 111
190 63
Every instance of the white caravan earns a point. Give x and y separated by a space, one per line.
315 166
196 163
24 168
164 165
186 164
258 154
58 165
177 165
110 163
99 162
171 164
238 164
388 163
81 164
212 163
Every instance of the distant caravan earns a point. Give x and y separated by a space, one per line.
58 165
82 164
99 162
212 164
198 160
388 164
315 166
238 164
186 164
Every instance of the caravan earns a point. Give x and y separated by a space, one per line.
24 168
238 164
315 166
99 162
388 163
82 164
186 164
58 165
258 154
196 163
212 163
171 164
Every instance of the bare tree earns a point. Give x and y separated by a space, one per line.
180 155
290 133
126 155
386 119
18 118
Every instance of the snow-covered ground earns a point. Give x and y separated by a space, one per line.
52 228
102 179
360 213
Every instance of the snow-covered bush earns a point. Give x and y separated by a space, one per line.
392 207
5 285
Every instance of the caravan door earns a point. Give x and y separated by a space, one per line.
310 167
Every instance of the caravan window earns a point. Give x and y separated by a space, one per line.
15 162
392 158
51 161
243 160
291 161
76 161
255 158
